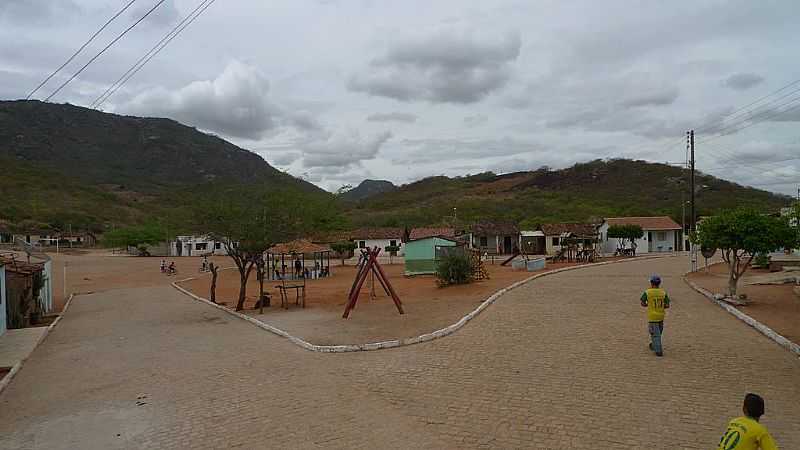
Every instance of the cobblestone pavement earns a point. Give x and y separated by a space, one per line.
560 363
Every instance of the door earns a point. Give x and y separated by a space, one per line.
508 246
649 241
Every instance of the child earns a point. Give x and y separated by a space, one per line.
745 433
656 301
163 266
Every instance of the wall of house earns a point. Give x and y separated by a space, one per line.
420 255
2 300
381 243
189 246
46 293
494 243
643 245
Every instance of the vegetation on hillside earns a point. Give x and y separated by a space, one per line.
583 192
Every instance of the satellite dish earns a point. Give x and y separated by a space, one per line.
708 252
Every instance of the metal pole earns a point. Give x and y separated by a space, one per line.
693 217
64 287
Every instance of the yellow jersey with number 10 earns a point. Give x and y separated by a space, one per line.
657 301
744 433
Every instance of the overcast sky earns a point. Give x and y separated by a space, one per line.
337 91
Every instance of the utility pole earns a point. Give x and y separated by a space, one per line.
692 216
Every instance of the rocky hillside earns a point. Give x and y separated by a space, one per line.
368 188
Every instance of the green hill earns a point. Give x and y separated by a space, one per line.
582 192
368 188
63 164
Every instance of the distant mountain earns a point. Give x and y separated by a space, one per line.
64 163
145 154
368 188
586 191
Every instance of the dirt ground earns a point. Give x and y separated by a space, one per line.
427 307
99 270
773 305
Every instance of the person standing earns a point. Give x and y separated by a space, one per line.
656 301
745 432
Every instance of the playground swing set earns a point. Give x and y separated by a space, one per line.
368 265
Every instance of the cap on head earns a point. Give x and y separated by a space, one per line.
754 405
655 280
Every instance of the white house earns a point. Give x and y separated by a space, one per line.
661 234
380 237
196 246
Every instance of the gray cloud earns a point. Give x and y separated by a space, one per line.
478 119
343 149
658 98
392 117
166 14
235 103
37 11
447 67
743 81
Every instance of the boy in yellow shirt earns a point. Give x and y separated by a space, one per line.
656 301
745 433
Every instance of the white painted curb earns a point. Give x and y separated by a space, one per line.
10 375
450 329
763 329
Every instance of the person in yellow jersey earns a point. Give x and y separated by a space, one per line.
656 301
746 433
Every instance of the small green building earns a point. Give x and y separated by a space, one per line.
420 254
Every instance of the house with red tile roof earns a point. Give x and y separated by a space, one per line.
380 237
661 234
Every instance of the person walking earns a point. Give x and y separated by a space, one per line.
656 301
163 266
746 432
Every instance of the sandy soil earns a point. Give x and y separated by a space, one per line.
427 307
773 305
98 270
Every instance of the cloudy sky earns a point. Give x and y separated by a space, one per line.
337 91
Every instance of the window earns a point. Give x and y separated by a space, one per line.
393 243
555 241
200 246
484 241
362 244
217 245
661 236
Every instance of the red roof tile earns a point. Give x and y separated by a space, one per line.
647 223
578 229
422 233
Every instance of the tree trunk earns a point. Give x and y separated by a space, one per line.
242 290
262 301
733 281
213 270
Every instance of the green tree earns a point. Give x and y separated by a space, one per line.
741 234
392 251
149 233
248 221
343 248
625 234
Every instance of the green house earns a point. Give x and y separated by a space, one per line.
420 254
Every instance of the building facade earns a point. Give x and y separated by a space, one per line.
379 237
661 234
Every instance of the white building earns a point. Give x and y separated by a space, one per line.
380 237
196 246
661 234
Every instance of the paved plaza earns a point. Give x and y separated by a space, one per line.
559 363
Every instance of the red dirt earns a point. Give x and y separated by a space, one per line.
427 307
773 305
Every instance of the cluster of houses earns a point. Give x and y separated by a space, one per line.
661 234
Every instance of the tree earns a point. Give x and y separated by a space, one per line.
741 234
343 248
391 250
248 220
625 233
136 235
214 272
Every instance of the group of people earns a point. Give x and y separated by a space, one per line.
742 433
168 269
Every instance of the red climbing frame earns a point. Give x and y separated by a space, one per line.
370 265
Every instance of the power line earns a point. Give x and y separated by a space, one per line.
104 49
732 113
763 119
69 60
144 59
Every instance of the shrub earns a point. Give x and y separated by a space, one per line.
761 260
454 268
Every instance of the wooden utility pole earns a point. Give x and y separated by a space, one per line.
693 217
